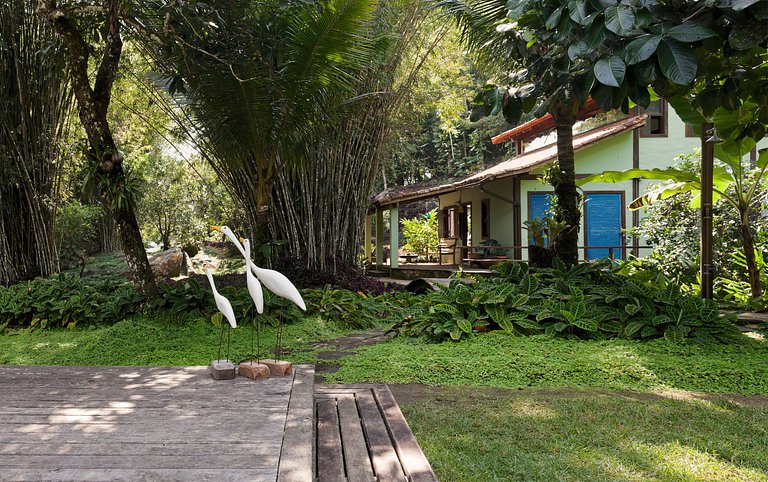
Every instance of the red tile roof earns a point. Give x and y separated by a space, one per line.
543 124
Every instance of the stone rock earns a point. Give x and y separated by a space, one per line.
222 370
278 368
168 264
254 371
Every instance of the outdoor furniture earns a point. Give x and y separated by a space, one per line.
409 257
447 247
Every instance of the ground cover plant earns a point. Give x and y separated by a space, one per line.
66 301
589 300
500 359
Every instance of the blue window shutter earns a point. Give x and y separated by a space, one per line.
540 204
603 213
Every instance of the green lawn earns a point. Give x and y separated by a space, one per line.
584 436
145 340
500 360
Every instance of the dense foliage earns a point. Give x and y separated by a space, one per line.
421 233
588 300
66 301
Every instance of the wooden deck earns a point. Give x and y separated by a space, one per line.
145 423
177 423
363 436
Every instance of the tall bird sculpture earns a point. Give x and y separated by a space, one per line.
254 289
223 369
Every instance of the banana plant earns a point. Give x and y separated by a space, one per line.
731 182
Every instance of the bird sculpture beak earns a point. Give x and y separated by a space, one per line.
242 240
216 228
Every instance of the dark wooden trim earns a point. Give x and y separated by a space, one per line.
517 225
753 157
707 167
485 205
635 189
622 203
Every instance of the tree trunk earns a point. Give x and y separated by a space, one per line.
564 182
753 272
260 230
93 104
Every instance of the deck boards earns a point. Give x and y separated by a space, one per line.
140 423
375 440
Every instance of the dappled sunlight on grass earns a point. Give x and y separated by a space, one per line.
576 436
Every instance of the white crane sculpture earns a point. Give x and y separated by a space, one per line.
254 289
274 281
225 307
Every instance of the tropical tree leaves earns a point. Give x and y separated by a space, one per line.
610 71
677 61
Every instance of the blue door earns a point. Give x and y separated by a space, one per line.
539 206
603 214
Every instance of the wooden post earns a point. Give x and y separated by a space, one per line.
367 237
394 236
379 237
707 164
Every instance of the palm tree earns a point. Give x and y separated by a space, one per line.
253 81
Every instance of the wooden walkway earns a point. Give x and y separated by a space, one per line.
148 423
363 436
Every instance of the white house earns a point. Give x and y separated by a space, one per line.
495 202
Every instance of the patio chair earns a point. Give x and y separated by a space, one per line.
447 247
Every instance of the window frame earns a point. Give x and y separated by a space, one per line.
664 113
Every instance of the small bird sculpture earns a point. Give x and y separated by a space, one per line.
225 307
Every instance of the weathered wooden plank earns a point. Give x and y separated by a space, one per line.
254 448
230 459
330 459
159 432
413 460
297 456
145 408
188 389
139 475
386 464
356 457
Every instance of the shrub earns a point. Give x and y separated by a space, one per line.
588 300
66 301
354 310
75 232
421 233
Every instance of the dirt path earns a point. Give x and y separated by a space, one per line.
343 347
